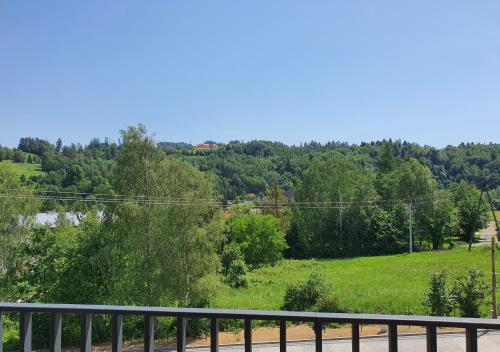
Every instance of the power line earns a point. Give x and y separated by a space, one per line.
198 202
102 197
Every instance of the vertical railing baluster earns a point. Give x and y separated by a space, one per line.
117 333
248 335
393 338
55 332
318 332
282 335
85 332
181 334
431 338
149 335
355 337
471 339
25 323
214 335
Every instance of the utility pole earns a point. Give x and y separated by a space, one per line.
410 210
494 314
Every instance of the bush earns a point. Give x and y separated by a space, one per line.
234 268
230 253
438 297
260 238
469 292
328 303
303 296
236 274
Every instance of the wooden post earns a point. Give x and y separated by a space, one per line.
494 314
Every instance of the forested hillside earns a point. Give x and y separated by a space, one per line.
249 169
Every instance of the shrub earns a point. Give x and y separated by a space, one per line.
234 268
304 295
438 297
230 253
328 303
260 237
469 292
236 274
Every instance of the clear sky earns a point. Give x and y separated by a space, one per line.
426 71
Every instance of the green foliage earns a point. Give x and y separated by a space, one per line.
469 292
388 235
160 251
439 298
335 231
260 238
472 213
236 274
303 296
328 303
62 265
234 268
14 215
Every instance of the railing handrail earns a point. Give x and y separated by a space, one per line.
414 320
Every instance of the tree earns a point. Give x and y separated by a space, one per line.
14 216
275 200
260 238
469 292
75 176
340 228
19 156
472 212
411 183
439 219
439 298
388 237
161 247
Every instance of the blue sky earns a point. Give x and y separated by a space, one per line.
292 71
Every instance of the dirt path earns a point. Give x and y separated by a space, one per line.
486 234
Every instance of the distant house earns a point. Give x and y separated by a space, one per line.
206 146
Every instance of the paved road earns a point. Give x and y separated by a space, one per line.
489 341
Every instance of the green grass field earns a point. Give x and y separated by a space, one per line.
388 284
23 168
497 214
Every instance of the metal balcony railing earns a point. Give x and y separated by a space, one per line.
56 311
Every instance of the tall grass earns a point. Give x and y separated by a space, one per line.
386 284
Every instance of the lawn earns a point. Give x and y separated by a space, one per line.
23 168
386 284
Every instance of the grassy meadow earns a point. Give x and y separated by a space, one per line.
497 214
25 169
386 284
